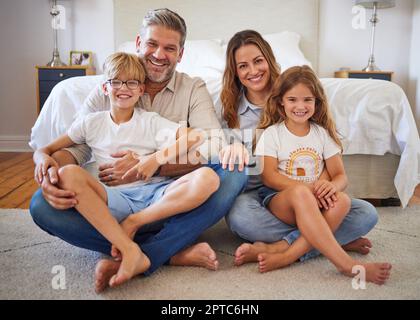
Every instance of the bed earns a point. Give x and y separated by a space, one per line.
381 141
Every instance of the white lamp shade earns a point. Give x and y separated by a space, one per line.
380 4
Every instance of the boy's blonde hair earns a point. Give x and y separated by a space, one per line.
129 64
274 111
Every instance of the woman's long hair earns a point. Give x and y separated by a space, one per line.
232 87
274 111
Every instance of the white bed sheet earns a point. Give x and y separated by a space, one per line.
373 116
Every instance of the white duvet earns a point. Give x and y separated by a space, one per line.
373 117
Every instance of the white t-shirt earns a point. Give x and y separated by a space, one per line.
300 158
145 133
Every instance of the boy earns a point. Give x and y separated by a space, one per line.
141 202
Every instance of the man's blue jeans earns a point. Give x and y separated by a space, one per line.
159 243
251 221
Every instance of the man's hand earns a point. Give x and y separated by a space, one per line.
111 174
233 154
42 167
56 197
143 170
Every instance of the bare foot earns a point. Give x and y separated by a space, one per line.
361 245
104 271
134 262
199 255
271 261
375 272
247 252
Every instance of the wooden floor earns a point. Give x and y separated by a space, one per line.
17 184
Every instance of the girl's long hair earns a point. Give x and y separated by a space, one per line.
232 87
274 110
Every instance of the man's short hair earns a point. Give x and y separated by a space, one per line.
121 62
168 19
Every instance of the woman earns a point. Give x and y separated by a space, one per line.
251 70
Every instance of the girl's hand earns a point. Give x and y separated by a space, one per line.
41 169
235 153
144 170
325 193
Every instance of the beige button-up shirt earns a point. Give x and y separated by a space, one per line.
184 100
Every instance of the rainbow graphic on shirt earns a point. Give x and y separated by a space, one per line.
304 164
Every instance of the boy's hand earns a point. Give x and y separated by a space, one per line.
112 173
232 154
143 170
41 169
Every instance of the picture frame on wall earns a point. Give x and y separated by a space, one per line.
81 58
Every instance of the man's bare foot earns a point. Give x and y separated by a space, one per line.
134 262
199 255
375 272
104 271
361 245
271 261
247 252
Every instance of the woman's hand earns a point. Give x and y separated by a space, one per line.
112 173
235 153
144 170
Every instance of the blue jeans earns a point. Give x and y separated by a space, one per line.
251 221
159 241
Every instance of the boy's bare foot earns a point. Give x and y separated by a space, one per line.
361 245
247 252
375 272
104 271
271 261
199 255
134 262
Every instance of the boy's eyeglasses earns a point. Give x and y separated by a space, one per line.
117 84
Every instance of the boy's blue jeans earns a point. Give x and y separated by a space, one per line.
172 236
251 221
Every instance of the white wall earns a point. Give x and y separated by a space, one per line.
26 39
414 75
343 46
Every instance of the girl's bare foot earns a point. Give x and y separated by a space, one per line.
375 272
271 261
361 245
247 252
134 262
104 271
199 255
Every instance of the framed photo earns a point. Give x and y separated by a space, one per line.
80 58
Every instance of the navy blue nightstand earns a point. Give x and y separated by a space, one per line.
379 75
48 77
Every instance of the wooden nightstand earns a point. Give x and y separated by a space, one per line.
48 77
379 75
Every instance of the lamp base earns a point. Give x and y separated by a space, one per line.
56 61
371 65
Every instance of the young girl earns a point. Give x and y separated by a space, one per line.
299 140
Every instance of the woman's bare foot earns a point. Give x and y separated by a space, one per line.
361 245
199 255
134 262
375 272
271 261
247 252
104 271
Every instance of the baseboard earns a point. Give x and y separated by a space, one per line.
14 144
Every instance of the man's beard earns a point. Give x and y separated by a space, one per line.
156 76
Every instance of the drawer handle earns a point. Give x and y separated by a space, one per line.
61 75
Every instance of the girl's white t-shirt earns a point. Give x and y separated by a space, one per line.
300 158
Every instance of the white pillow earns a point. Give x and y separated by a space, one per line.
201 58
286 49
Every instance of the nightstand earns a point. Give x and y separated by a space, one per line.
48 77
379 75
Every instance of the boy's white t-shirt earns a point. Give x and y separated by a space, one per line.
145 133
300 158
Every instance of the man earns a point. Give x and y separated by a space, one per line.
176 97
